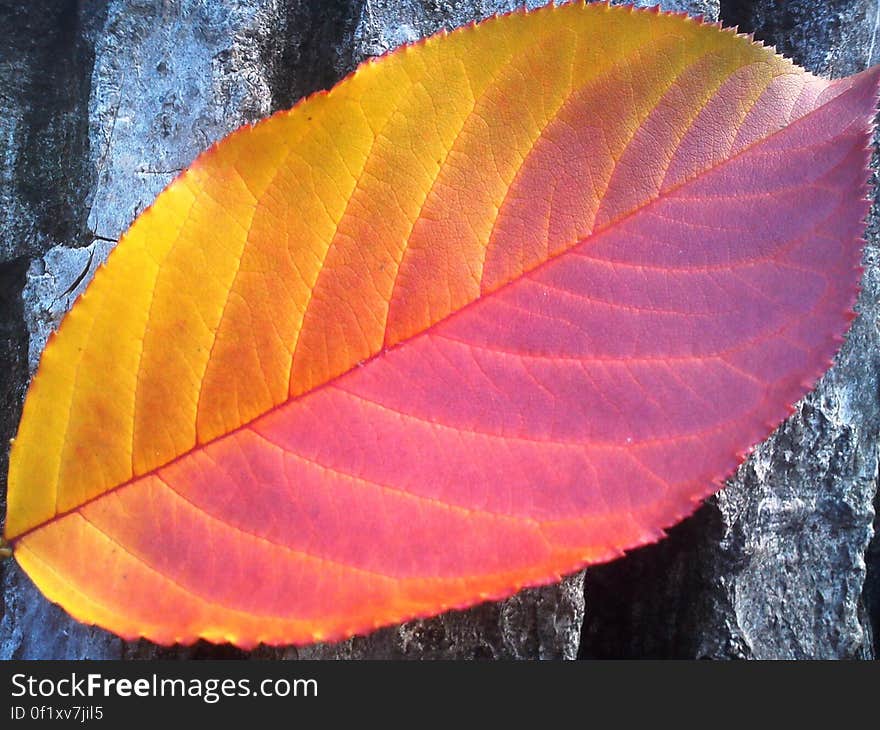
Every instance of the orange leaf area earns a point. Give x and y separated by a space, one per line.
500 305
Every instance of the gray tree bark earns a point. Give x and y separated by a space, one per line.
102 103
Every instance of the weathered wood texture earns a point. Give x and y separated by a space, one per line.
101 103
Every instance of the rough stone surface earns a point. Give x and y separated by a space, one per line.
103 103
44 69
831 37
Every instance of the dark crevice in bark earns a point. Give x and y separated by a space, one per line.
315 48
13 359
45 76
871 595
654 603
13 375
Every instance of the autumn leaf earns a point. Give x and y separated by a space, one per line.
500 305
